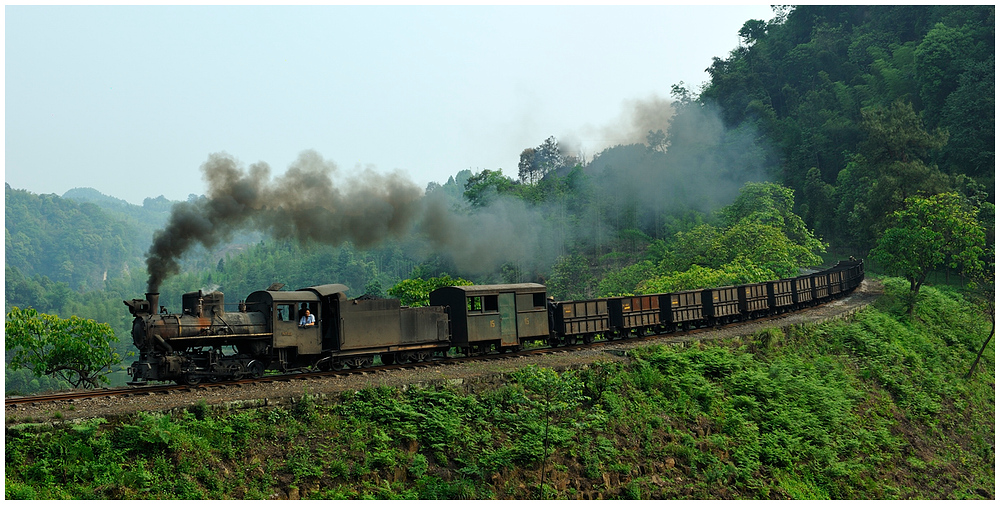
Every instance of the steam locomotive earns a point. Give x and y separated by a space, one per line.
207 343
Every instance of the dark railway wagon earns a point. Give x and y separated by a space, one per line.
821 286
780 297
497 316
753 300
855 274
802 290
349 332
850 273
579 320
835 279
635 314
721 304
683 309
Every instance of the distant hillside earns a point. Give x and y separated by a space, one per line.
149 216
80 244
86 237
94 196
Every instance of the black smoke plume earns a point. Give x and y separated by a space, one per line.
303 203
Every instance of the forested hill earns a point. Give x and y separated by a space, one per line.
867 105
79 244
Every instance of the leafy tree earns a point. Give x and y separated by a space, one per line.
536 163
986 302
928 233
416 292
571 278
968 115
771 204
482 188
763 245
79 351
623 281
891 165
939 59
657 141
526 169
739 271
759 229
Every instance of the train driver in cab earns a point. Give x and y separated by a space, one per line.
307 320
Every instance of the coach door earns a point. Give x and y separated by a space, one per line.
508 319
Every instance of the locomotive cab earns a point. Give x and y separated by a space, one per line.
285 309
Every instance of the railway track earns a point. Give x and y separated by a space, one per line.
72 396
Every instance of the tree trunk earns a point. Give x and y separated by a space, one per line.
975 363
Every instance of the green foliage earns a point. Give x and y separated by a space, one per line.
891 165
761 239
865 92
928 233
624 281
536 163
481 189
416 292
739 271
571 278
770 204
79 351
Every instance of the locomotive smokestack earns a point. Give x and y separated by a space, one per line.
154 302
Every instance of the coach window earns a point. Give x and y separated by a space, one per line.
491 303
475 303
285 311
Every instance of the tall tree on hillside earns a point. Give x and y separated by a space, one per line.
482 188
537 162
928 233
891 165
526 169
986 301
771 204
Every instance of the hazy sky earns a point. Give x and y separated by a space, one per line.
132 100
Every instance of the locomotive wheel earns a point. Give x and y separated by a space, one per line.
190 380
388 358
588 338
255 369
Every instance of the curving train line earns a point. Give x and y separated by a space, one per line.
319 328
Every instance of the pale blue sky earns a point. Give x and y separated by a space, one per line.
132 100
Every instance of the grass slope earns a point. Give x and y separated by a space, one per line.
874 408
